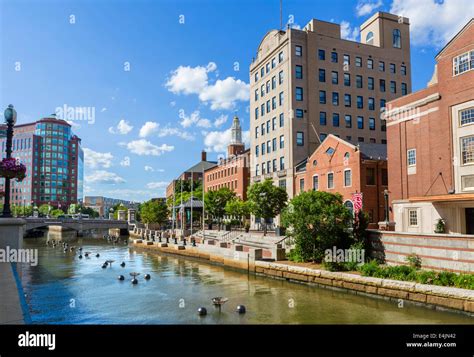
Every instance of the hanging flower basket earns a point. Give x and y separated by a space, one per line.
10 168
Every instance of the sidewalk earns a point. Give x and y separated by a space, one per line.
10 305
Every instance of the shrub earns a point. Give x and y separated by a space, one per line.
414 261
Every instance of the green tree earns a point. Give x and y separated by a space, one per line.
154 212
44 209
238 208
216 201
266 200
56 212
317 221
359 229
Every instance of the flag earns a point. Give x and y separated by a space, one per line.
357 201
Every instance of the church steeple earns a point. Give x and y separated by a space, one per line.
236 131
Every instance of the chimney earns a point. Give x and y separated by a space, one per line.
203 156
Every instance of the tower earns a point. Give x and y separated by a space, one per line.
236 146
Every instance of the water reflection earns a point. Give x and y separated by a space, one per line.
65 289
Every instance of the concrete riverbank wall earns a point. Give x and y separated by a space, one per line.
437 297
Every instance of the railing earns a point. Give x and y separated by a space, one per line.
230 236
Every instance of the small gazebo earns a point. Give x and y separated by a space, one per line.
193 205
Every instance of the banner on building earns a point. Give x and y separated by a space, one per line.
357 201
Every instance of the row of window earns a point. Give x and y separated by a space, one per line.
467 152
270 65
232 185
269 105
348 121
269 85
270 125
222 173
348 100
270 166
463 63
269 146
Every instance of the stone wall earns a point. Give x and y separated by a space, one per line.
437 251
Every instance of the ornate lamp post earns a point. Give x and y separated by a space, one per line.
10 119
385 196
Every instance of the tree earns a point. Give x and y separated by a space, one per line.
266 200
216 201
56 212
44 209
154 212
238 208
317 221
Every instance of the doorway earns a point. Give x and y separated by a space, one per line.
469 220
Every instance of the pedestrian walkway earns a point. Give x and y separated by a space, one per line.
10 304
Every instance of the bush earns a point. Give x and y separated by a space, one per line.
414 261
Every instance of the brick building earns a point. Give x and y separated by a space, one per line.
339 166
233 171
431 145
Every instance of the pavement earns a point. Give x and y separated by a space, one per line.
11 311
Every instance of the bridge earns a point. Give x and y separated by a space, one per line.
83 224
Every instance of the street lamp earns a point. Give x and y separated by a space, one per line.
10 119
385 196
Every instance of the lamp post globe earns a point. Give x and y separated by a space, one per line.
10 115
10 119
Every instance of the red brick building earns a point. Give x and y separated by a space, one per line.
430 137
339 166
233 171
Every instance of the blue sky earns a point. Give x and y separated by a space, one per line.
182 66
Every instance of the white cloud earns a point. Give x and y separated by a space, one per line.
144 147
367 7
194 118
96 159
195 80
434 22
131 194
224 93
349 33
217 141
154 185
125 162
149 168
123 127
220 120
168 131
148 128
102 176
103 109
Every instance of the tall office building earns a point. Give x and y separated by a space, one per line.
308 83
54 161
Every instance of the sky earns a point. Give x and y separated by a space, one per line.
152 83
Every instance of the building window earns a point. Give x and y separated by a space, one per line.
268 87
282 184
372 123
274 101
347 178
322 118
335 119
274 144
347 59
370 83
360 122
322 137
299 72
268 106
257 169
263 168
404 88
370 63
257 150
334 57
381 66
411 157
273 123
382 103
371 104
268 67
282 163
298 51
467 116
330 180
256 76
282 141
392 68
280 77
403 70
301 185
347 79
413 217
322 75
393 87
322 97
322 55
397 39
299 94
274 82
358 62
370 176
463 63
274 164
273 63
262 72
299 113
348 120
269 147
262 131
384 178
256 113
282 120
262 90
467 150
335 98
360 102
369 39
382 85
280 99
280 57
315 182
359 81
263 148
383 127
299 138
347 100
334 77
256 94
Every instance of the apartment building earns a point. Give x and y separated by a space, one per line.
431 145
102 205
233 171
357 172
309 83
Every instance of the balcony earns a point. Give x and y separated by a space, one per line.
281 173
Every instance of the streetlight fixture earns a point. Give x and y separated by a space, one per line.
10 119
385 196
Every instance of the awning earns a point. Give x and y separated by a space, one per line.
459 197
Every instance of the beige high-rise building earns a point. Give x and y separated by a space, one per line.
308 83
